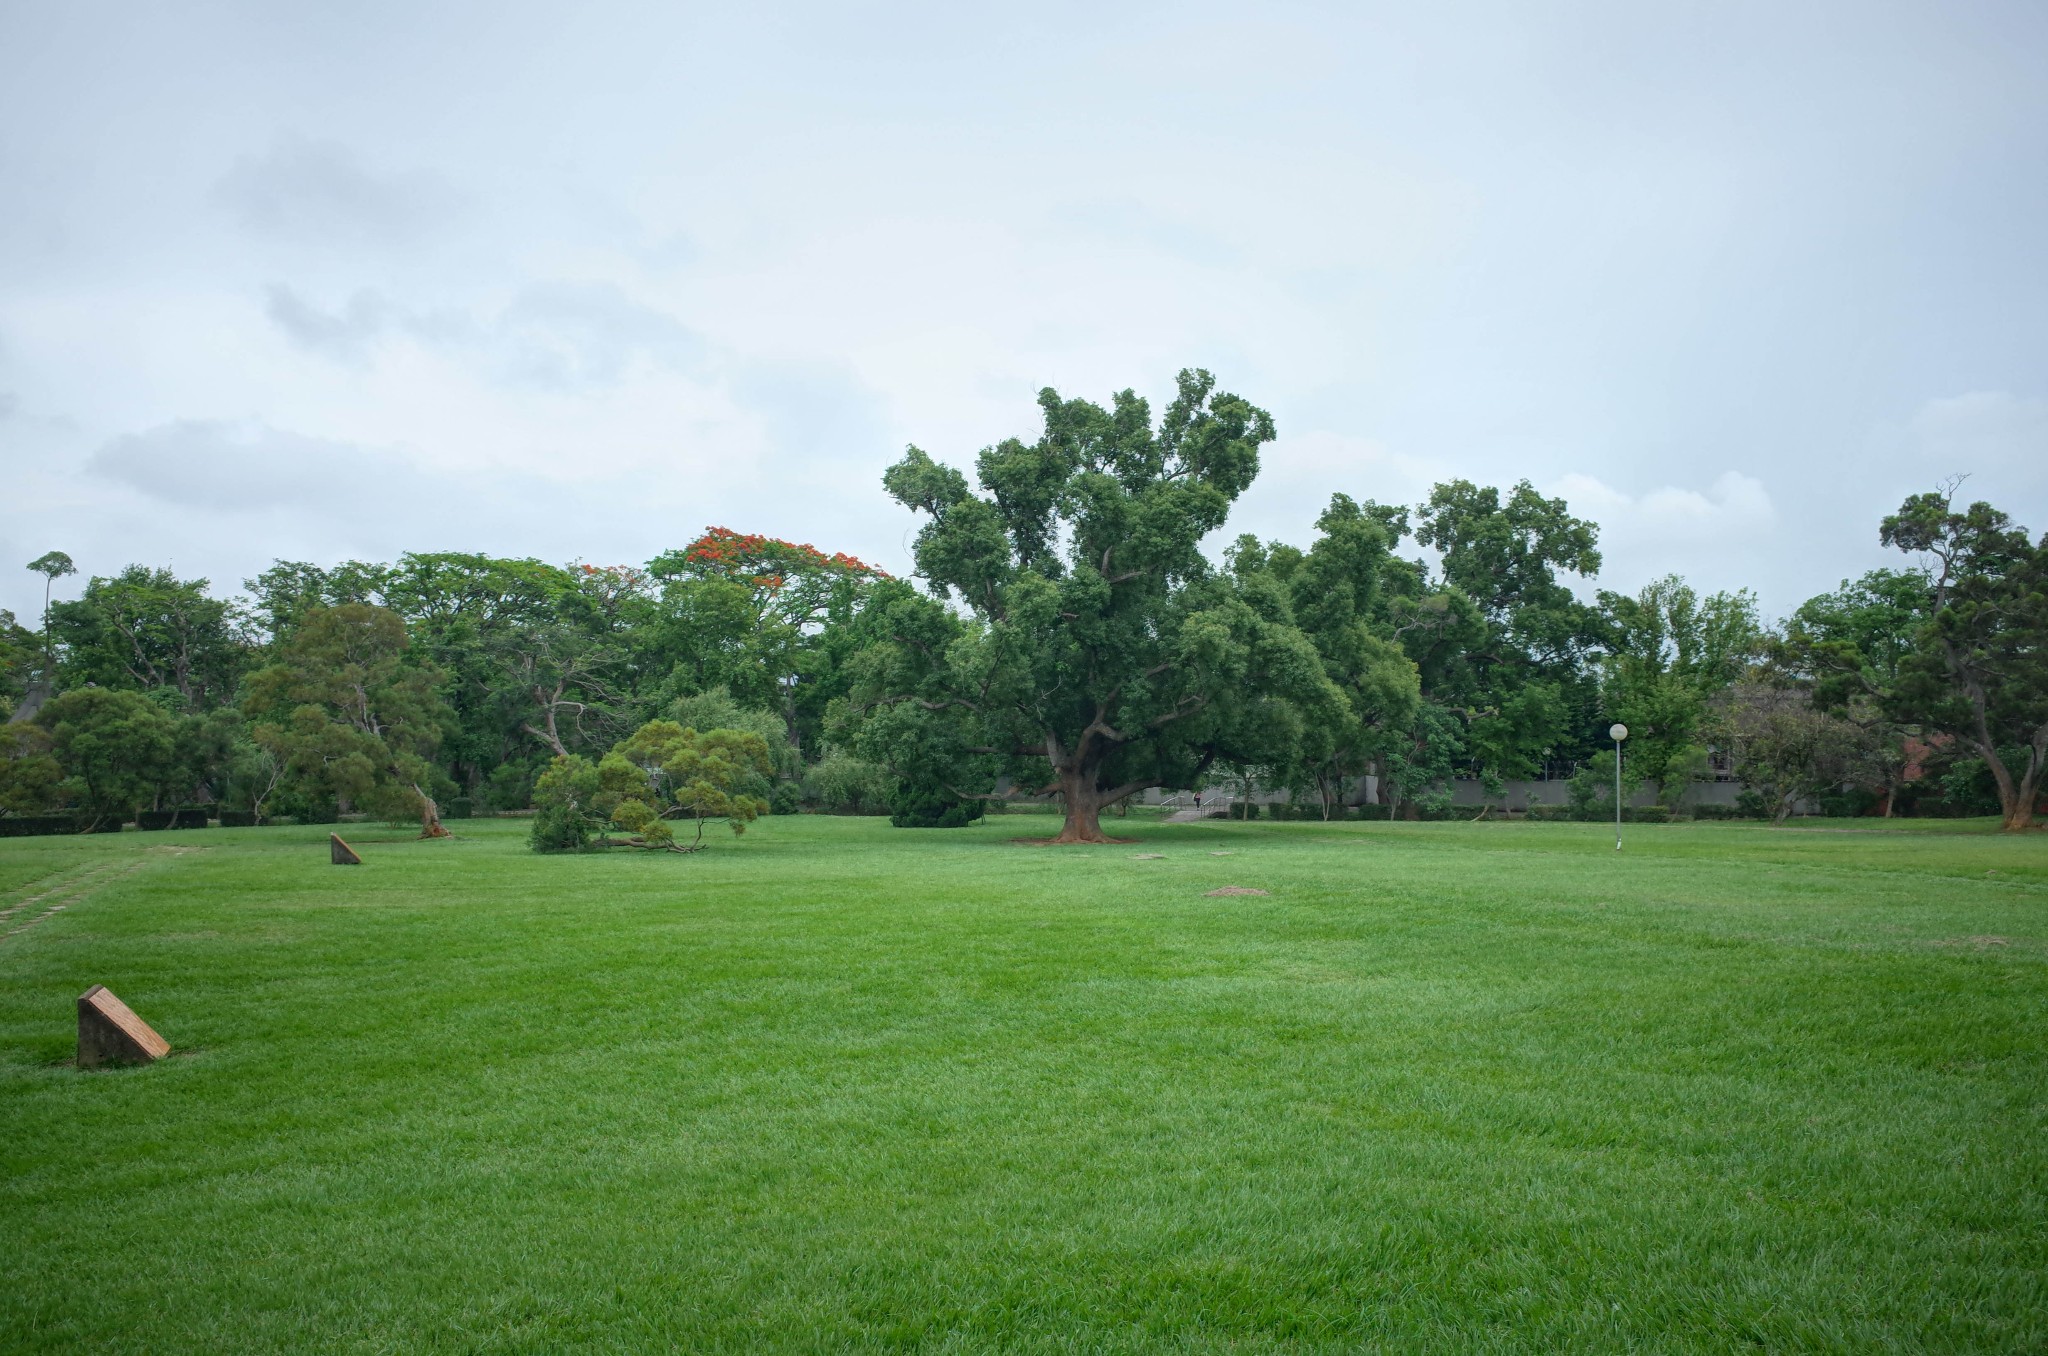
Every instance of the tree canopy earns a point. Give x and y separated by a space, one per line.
1078 627
1101 647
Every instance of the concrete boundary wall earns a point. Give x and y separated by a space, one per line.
1515 795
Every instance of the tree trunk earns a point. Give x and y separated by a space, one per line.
430 815
1084 809
2019 808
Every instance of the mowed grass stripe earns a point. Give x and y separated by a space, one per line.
833 1086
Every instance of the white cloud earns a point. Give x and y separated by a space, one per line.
1722 537
1298 475
1735 506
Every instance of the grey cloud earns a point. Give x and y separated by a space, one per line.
585 334
556 335
220 464
319 192
220 496
346 335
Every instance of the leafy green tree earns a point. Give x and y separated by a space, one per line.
20 661
147 629
708 774
31 779
567 681
1978 672
843 783
750 613
922 760
1334 591
1852 645
703 775
715 709
1505 555
1669 652
115 747
1501 642
1101 647
494 628
289 590
347 713
575 801
1785 747
52 566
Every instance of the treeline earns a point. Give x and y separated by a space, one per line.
1064 635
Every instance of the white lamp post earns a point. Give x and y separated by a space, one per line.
1617 732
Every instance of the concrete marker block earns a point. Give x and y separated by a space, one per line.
110 1033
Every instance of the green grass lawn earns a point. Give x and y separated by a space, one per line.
1448 1087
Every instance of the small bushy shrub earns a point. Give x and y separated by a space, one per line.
931 808
845 785
458 807
1850 804
786 799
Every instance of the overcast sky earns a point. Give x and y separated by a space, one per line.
576 280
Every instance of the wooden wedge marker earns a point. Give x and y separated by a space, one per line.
109 1033
343 854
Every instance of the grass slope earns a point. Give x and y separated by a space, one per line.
1448 1087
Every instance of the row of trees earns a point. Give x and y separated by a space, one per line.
1065 634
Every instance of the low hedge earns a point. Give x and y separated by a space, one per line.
238 819
32 826
192 817
1634 814
153 820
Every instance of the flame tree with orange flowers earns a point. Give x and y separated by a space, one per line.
762 617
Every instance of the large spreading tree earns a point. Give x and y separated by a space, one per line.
347 713
1100 646
145 629
1978 672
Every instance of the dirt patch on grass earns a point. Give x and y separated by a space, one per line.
1238 890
